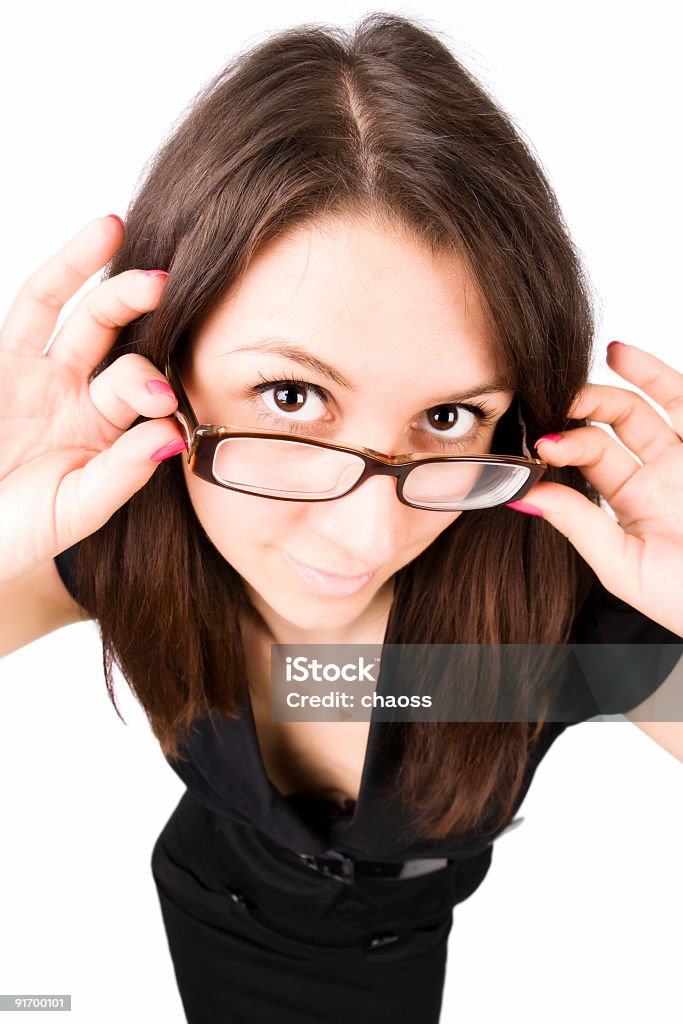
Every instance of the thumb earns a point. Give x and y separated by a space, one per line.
597 537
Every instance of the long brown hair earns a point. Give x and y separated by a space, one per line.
382 122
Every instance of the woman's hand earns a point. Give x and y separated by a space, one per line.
638 557
67 457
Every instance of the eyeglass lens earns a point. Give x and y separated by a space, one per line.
284 468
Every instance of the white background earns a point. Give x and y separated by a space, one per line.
581 912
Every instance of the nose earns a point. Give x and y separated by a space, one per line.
369 523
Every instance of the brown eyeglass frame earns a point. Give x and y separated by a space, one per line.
203 439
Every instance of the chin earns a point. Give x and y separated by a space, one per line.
319 613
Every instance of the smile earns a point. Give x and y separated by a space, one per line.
329 583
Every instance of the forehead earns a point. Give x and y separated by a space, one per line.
349 288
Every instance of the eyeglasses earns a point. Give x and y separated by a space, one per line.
274 464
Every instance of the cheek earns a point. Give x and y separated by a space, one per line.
234 521
435 523
428 531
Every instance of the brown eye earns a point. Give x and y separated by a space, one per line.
288 397
445 418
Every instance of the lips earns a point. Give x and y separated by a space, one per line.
335 575
330 584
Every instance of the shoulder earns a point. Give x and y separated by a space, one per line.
620 657
604 618
65 564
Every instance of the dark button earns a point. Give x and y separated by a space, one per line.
240 899
382 940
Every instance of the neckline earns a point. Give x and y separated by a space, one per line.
347 820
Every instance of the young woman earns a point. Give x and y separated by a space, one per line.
305 405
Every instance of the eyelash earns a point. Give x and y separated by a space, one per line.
485 417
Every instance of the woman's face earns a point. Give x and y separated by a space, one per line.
388 335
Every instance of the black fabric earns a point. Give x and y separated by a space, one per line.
255 935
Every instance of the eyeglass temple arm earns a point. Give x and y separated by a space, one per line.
184 414
520 418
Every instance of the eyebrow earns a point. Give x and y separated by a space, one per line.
282 347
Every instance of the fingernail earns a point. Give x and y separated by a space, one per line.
172 448
548 437
115 216
160 387
614 343
525 506
156 273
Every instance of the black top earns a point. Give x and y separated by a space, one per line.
226 773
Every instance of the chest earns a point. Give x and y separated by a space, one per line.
322 759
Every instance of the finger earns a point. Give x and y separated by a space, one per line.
130 387
89 496
33 314
90 331
653 376
603 461
635 422
597 537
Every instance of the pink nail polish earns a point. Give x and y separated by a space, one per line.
614 343
115 216
525 506
160 387
156 273
172 448
548 437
